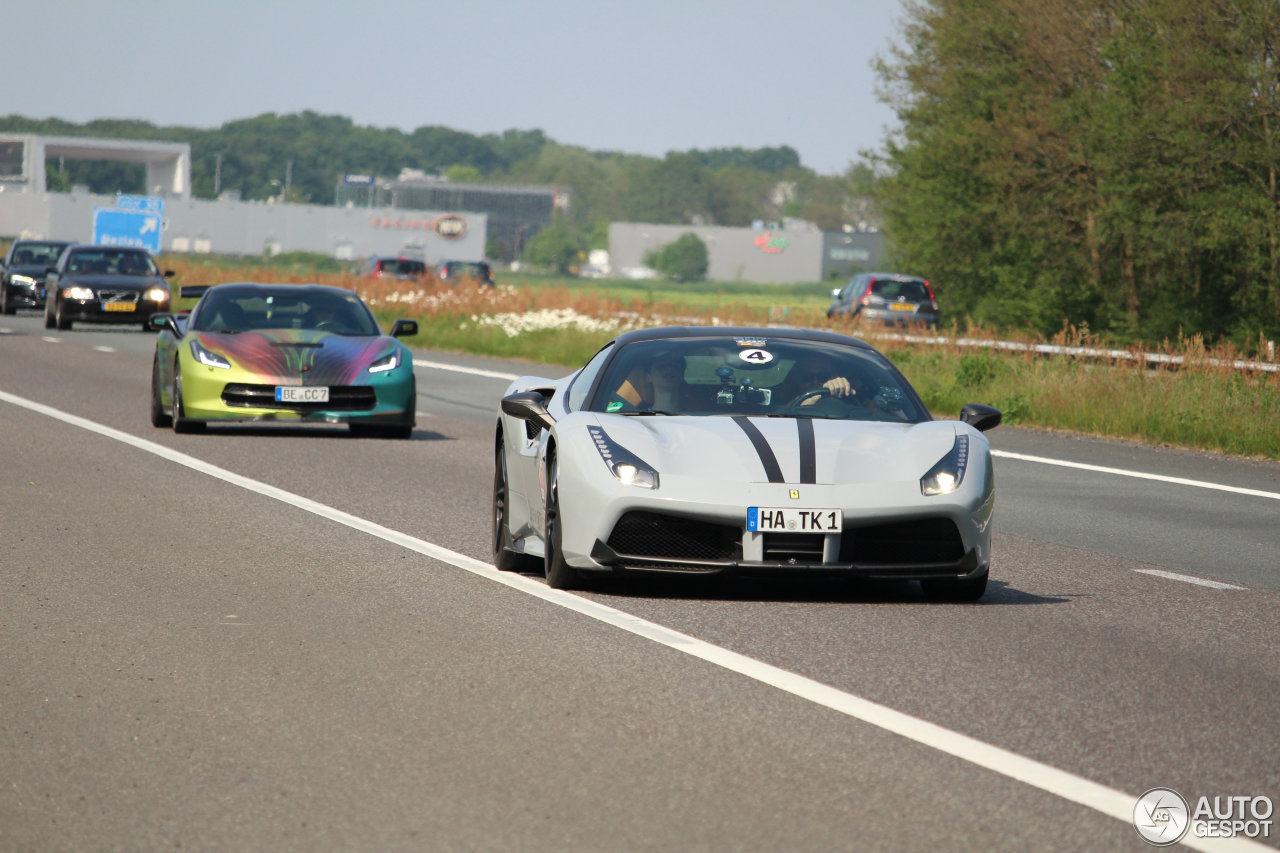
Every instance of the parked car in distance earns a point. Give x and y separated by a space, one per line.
891 298
453 271
389 266
23 272
105 284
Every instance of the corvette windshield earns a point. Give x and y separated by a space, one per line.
236 310
763 377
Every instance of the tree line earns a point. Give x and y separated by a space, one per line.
302 157
1108 163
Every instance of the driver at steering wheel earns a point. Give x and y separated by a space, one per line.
812 374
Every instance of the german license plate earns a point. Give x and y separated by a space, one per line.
902 306
117 306
302 394
789 519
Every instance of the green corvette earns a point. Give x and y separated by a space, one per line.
283 353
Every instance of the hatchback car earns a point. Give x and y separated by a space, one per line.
105 284
890 298
457 270
23 272
386 266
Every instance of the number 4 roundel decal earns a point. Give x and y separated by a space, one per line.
756 356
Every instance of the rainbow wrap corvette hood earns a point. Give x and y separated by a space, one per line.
286 356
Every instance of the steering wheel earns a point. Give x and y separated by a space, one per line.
799 398
329 326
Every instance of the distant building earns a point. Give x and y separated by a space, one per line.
794 254
515 213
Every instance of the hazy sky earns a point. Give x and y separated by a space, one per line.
639 77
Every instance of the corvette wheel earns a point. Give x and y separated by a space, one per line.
560 575
159 417
968 589
504 559
180 423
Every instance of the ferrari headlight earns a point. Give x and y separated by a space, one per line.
630 469
22 279
156 294
945 477
390 361
207 357
78 293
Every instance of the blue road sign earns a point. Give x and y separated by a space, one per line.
126 228
140 203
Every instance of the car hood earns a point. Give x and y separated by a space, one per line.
36 271
293 356
114 282
838 451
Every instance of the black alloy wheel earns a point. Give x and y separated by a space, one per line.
159 417
560 575
504 558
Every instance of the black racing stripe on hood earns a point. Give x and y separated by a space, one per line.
808 451
771 467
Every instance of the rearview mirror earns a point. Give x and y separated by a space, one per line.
404 328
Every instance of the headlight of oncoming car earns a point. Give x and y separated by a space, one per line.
156 294
390 361
945 477
630 469
208 357
21 279
78 293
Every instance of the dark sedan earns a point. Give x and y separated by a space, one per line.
889 298
105 284
23 272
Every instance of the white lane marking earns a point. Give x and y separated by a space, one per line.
1122 472
1160 573
1068 786
50 340
457 368
105 349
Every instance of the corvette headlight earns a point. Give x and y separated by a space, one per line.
78 293
945 477
388 362
207 357
22 279
630 469
156 294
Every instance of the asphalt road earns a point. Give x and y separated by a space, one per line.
290 639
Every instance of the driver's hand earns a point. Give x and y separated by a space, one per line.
839 387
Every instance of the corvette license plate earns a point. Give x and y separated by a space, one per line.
117 306
792 520
902 306
302 394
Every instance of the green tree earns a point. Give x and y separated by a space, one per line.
683 259
559 247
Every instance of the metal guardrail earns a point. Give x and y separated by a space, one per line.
1149 358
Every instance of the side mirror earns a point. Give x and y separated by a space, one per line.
528 406
981 418
164 322
404 328
168 273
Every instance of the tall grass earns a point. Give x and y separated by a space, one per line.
1203 403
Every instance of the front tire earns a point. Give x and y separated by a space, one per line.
505 559
49 321
180 423
6 307
159 417
63 321
560 575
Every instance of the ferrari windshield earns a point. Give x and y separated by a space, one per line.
242 309
781 376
